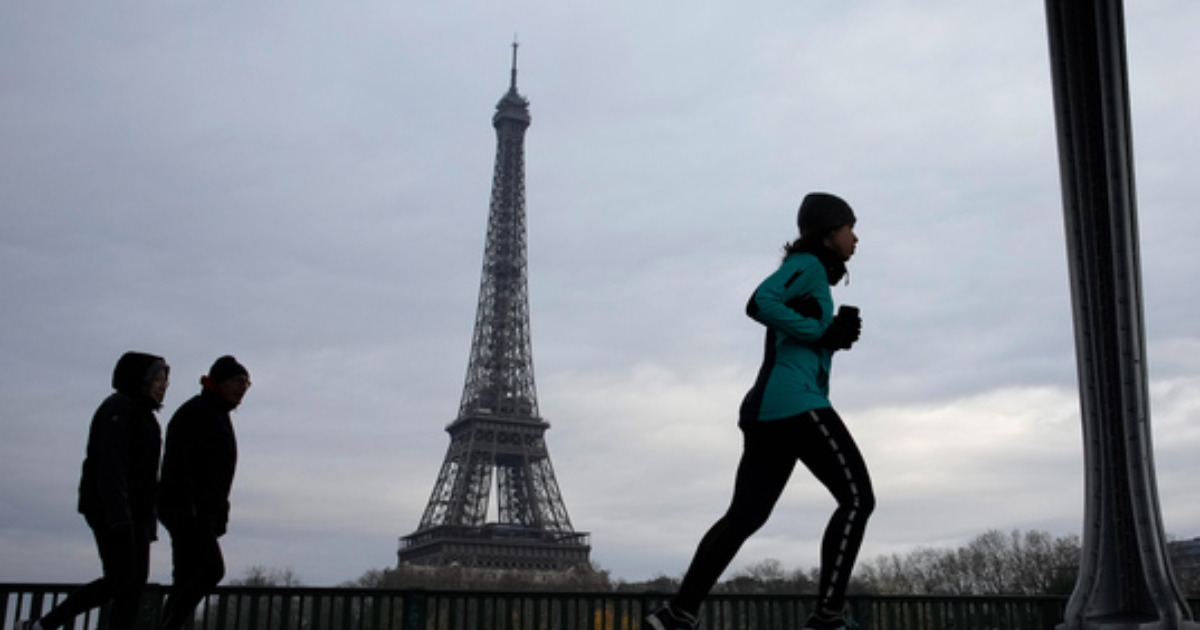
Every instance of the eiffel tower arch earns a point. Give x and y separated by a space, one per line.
498 438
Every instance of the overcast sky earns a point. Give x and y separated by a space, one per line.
305 185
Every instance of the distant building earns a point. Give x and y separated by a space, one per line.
1185 553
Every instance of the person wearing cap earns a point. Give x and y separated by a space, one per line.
197 474
117 491
786 417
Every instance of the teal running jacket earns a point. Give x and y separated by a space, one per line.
796 306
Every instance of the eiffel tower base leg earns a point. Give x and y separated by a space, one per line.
1125 580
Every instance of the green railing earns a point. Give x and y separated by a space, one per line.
299 608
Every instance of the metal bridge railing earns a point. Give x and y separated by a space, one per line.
301 608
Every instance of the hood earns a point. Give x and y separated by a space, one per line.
133 371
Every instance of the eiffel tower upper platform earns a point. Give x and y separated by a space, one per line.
498 438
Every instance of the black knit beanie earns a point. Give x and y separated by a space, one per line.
821 212
226 368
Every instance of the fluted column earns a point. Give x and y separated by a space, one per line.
1125 579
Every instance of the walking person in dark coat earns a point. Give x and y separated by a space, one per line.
197 474
116 492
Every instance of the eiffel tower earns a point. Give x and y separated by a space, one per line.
498 430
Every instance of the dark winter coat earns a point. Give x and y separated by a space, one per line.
120 472
198 464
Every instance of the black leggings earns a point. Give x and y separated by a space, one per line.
125 557
771 448
198 568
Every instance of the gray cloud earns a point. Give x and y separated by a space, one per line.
307 187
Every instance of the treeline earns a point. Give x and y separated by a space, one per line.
994 563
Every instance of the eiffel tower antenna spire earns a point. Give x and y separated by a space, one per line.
512 86
499 433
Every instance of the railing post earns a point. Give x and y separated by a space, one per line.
415 612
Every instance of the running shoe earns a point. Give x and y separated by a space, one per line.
668 618
838 622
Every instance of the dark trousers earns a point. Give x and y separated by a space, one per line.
771 449
198 568
125 560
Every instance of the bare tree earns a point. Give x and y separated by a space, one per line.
994 563
267 576
768 576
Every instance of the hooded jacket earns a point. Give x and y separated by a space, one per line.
120 472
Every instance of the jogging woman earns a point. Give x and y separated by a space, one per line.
786 417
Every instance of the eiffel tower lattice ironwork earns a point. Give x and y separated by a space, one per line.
499 436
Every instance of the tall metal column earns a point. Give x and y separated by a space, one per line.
1125 579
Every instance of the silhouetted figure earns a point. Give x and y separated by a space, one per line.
116 492
787 417
197 474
